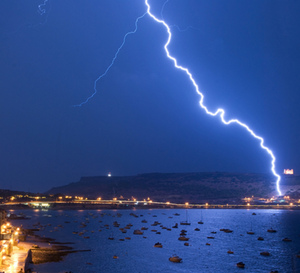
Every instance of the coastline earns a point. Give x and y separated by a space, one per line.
159 205
36 250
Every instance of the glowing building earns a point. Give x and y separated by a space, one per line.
288 171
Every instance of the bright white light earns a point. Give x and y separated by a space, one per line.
220 112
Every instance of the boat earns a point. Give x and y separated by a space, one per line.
226 230
138 232
253 213
186 222
115 257
271 230
265 253
158 245
250 232
210 237
116 224
286 240
230 252
134 215
201 221
175 226
175 259
260 238
197 229
183 238
186 244
240 265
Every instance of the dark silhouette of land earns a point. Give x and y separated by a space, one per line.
179 187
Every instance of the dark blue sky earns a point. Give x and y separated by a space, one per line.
145 117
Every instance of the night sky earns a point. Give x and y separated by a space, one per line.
245 56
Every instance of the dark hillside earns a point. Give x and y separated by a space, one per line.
174 187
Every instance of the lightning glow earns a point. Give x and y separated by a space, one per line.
112 62
220 112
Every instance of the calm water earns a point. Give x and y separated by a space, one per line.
139 255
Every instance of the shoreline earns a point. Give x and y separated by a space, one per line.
36 250
48 250
76 206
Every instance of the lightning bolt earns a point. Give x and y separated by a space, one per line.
112 62
220 112
41 8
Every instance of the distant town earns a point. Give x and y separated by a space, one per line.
57 201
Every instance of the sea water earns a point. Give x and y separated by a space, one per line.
138 253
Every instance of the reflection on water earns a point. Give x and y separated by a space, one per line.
138 253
